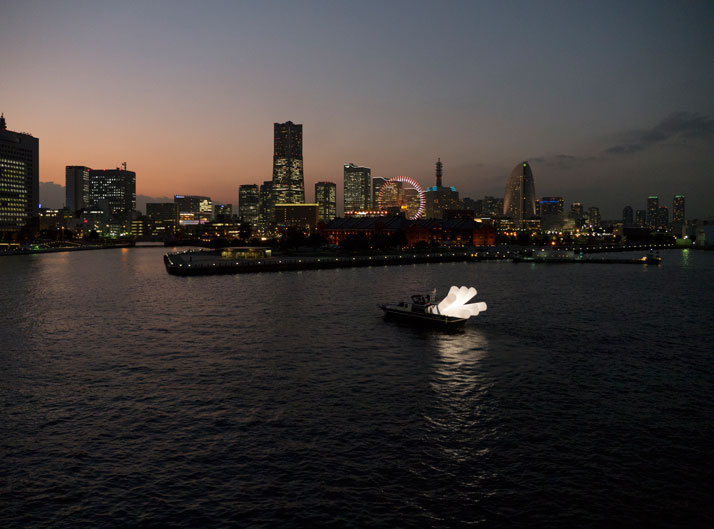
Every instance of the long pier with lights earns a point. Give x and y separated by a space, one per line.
202 262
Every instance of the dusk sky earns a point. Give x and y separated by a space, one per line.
609 101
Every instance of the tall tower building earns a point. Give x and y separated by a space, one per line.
326 198
678 209
249 204
628 216
377 183
652 211
265 206
357 188
19 178
519 198
288 177
439 198
77 187
114 191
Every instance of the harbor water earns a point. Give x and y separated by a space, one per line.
583 396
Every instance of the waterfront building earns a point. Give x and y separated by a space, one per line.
114 191
222 211
662 218
492 206
594 216
19 179
652 211
194 204
77 185
641 217
377 183
300 216
678 209
357 187
163 217
519 198
439 198
265 206
249 204
326 198
288 178
550 210
627 216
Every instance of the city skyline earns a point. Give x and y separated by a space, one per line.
616 105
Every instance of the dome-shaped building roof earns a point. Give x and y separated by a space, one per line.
519 200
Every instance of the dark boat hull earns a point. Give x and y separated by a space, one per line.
421 319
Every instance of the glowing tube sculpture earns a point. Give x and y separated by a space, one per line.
456 303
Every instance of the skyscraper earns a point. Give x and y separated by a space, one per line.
377 183
19 178
678 209
652 211
326 198
114 191
77 187
249 204
288 178
594 216
628 216
265 207
357 188
519 199
439 198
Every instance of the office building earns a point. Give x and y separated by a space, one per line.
594 216
300 216
162 217
114 192
357 188
196 204
265 206
550 211
652 210
641 218
249 204
628 218
222 211
662 218
19 179
326 198
377 183
438 198
288 178
519 198
678 209
77 187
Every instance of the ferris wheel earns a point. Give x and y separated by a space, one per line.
392 187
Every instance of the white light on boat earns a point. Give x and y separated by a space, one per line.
455 303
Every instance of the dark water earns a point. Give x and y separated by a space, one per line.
583 397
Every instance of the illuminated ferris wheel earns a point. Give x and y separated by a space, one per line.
394 194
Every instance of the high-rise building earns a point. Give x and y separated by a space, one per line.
265 206
438 198
19 179
519 199
77 187
652 208
301 216
163 217
113 191
288 178
249 204
492 206
357 188
594 216
326 198
377 183
222 211
641 218
662 218
628 216
678 209
550 206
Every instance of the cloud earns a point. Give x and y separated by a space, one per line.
676 126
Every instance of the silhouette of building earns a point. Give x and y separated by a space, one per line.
594 216
550 210
519 199
288 177
326 198
77 187
357 188
162 216
628 216
195 204
678 209
249 204
19 179
641 218
439 198
265 207
652 211
114 192
377 183
300 216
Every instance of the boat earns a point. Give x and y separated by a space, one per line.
452 311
